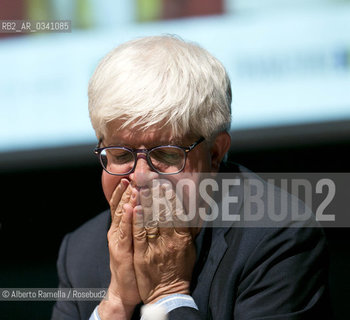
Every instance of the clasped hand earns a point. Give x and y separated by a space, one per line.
152 254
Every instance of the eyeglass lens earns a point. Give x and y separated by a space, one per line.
163 159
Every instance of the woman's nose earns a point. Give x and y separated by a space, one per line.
143 175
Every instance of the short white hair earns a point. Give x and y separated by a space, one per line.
158 82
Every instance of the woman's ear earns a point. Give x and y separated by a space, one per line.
219 148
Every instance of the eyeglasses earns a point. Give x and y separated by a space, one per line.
164 160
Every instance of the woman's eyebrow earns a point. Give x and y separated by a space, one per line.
148 145
118 144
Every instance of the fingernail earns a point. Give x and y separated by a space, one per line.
146 192
155 183
166 186
125 182
139 210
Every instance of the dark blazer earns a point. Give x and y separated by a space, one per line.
241 273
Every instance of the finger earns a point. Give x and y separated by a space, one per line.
166 226
146 197
152 232
125 229
134 199
139 232
177 211
117 195
147 205
119 211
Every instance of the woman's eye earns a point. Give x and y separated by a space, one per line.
166 156
121 157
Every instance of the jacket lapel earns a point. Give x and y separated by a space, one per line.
216 252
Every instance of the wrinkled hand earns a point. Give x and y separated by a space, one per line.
123 291
164 251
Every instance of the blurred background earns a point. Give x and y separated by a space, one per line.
289 63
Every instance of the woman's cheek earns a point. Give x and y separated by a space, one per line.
109 183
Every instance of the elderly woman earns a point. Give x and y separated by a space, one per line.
160 108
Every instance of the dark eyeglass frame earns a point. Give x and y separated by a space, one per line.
186 150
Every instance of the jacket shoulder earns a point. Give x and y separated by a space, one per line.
94 227
85 249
